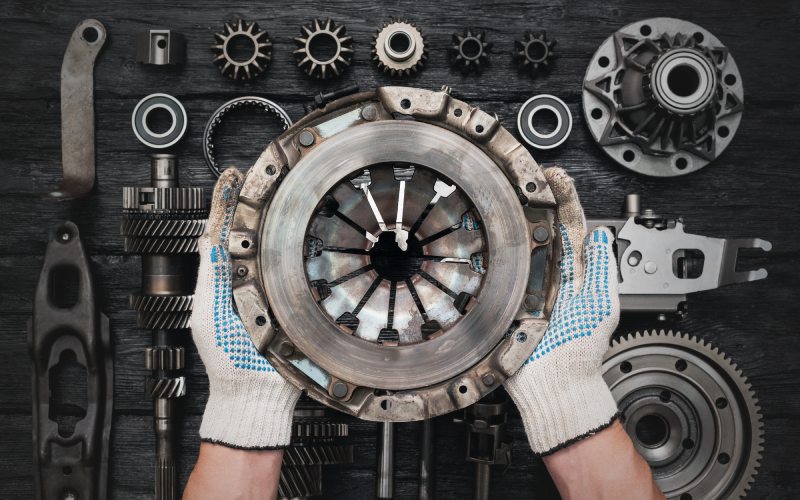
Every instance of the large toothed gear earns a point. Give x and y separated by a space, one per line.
690 412
242 68
534 53
470 51
313 43
399 48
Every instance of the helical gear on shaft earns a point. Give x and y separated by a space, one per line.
534 53
252 64
311 59
398 48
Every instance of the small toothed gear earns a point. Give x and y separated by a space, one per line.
164 358
534 53
470 51
690 412
398 48
242 68
314 41
165 387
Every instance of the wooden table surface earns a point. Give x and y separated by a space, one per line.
752 190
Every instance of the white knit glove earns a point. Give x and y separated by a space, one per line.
250 406
559 391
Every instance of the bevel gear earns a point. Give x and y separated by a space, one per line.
690 412
470 51
398 48
315 39
534 53
252 65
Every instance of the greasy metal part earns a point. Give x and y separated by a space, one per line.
426 460
534 53
690 412
384 485
77 109
213 123
437 135
398 48
314 54
663 97
160 48
162 222
69 463
487 440
247 66
141 127
323 98
318 439
544 103
659 264
469 52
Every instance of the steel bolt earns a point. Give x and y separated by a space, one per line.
532 302
286 349
530 187
650 267
339 390
241 271
488 379
270 170
522 336
305 138
541 234
369 112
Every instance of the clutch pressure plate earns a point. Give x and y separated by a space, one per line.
393 254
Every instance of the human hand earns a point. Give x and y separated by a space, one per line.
560 391
250 406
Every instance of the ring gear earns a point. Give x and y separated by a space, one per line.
690 412
399 62
534 53
470 51
663 97
252 66
310 62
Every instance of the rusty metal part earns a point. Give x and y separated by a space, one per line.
77 110
250 65
398 48
313 55
469 52
326 171
70 461
690 412
534 53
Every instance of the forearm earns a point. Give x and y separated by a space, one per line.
603 466
223 472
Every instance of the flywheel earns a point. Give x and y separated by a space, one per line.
393 254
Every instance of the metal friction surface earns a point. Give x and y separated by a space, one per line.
690 412
247 66
216 119
398 48
663 97
323 50
544 104
388 248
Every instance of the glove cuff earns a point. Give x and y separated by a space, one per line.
249 414
559 413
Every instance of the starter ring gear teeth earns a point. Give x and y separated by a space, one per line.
398 48
470 51
216 118
534 53
255 64
163 227
695 392
164 358
166 387
157 199
307 54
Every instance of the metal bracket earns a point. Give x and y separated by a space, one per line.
77 110
659 263
75 465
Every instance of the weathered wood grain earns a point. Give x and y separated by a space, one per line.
752 190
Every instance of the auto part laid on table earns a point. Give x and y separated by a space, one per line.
77 110
214 122
659 264
398 48
70 447
663 97
534 53
690 412
469 52
142 128
323 49
160 48
162 222
242 66
544 104
322 278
